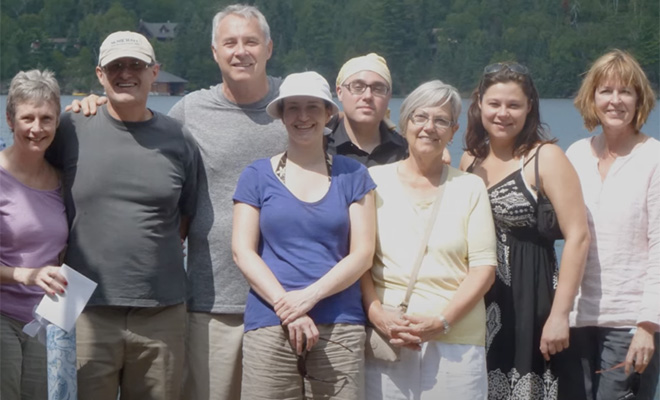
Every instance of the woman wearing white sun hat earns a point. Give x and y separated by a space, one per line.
304 233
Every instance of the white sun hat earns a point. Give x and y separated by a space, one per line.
308 83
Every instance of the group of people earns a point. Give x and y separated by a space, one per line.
338 221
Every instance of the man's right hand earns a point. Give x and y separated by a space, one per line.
88 105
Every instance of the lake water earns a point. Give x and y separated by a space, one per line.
559 114
564 121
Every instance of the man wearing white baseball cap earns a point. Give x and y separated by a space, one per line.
130 185
304 233
127 69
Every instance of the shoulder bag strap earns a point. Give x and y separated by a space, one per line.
425 239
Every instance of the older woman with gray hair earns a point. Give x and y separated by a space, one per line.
34 230
440 334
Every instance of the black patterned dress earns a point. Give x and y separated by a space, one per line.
519 301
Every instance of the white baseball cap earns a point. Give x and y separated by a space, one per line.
126 44
308 83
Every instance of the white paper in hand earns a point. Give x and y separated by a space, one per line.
63 309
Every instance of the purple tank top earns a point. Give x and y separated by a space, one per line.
33 231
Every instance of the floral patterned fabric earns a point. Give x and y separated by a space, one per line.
519 302
61 352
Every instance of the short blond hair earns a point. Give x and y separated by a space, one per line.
33 86
622 67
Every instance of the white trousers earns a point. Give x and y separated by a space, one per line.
439 371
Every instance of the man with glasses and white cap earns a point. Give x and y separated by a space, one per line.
364 88
130 185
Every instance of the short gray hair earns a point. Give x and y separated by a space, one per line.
33 86
430 94
245 11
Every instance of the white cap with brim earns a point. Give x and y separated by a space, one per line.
126 44
310 84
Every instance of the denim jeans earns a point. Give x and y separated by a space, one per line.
602 348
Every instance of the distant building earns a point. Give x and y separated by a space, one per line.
61 44
158 30
168 84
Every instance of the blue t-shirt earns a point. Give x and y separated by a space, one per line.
300 242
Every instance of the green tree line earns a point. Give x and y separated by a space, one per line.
421 39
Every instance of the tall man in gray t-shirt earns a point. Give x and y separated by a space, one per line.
130 185
231 126
230 123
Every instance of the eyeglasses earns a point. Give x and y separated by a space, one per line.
359 87
422 119
619 365
633 379
302 367
513 67
135 66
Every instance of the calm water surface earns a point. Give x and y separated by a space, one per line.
559 114
562 118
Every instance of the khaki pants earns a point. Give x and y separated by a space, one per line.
270 365
213 357
137 350
22 363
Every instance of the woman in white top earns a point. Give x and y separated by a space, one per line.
618 308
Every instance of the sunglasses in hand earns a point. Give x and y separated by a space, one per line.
302 367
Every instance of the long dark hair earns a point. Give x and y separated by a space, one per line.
533 132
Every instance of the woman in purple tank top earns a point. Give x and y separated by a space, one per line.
33 230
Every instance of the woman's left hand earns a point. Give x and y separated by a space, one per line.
295 304
303 334
641 348
420 329
554 338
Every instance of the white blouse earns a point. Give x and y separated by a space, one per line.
621 284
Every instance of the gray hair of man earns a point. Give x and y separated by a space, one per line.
430 94
33 86
245 11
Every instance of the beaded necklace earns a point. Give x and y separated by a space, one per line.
280 171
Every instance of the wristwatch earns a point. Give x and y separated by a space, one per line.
445 324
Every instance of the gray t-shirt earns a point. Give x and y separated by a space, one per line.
230 137
126 185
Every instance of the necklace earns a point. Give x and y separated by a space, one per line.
280 171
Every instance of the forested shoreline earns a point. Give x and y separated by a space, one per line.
421 39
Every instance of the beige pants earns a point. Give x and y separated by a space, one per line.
137 350
22 363
213 357
270 369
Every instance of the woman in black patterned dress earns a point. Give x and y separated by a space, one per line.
527 307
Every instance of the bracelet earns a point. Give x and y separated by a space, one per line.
445 324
